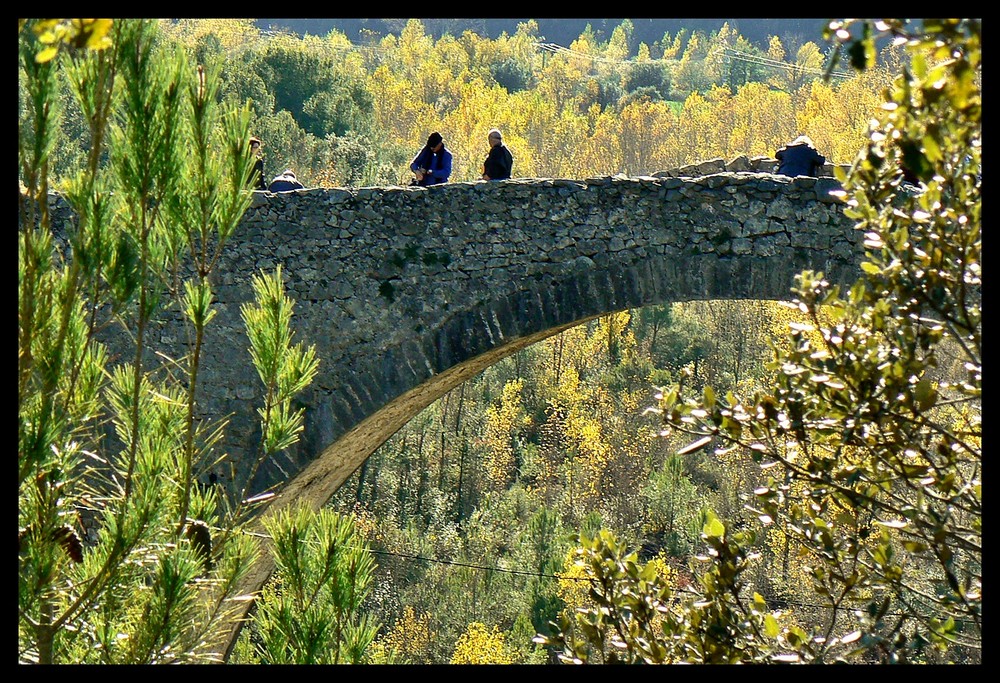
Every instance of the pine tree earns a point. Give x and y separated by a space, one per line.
122 556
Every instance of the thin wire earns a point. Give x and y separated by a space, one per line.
726 51
478 566
673 600
766 61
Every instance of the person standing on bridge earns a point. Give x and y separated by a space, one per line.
500 161
799 157
432 165
257 181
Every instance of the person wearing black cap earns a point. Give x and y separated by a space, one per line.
433 164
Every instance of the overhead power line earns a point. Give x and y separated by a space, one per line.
776 64
725 51
559 49
675 600
780 603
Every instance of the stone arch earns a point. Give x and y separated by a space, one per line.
479 271
473 339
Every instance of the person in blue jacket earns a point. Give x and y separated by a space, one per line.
432 165
799 157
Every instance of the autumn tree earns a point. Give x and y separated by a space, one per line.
480 645
873 455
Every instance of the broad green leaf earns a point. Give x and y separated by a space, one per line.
714 528
771 626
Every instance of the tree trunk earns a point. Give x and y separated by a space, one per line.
461 404
421 472
359 492
462 448
442 462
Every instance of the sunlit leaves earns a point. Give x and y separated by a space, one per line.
871 491
284 368
503 423
89 34
410 638
480 645
636 618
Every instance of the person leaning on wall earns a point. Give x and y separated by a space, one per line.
799 157
286 182
432 165
499 162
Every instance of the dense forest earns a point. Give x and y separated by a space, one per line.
341 113
562 30
604 495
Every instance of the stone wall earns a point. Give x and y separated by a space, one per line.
408 291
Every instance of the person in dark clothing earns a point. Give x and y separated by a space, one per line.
285 183
257 177
500 161
432 165
799 157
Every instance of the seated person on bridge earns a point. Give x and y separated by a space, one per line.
799 157
285 183
432 165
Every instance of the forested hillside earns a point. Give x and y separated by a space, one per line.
718 481
342 113
563 30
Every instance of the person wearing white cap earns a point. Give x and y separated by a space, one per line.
499 162
285 182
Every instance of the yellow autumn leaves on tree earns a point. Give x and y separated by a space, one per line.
91 34
480 645
574 113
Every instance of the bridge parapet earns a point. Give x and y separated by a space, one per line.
408 291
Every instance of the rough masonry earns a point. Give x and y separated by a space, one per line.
406 291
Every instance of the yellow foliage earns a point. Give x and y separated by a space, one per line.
478 645
560 127
502 423
662 565
91 34
410 638
231 33
573 586
674 49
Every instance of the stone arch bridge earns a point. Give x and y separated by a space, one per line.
407 292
